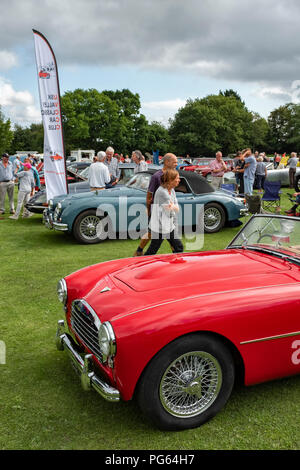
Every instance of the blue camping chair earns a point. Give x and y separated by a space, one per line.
229 187
271 196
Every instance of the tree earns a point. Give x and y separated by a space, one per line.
28 138
284 123
216 122
94 120
6 134
158 138
90 119
259 131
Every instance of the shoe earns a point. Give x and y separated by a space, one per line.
2 212
25 216
12 211
138 253
289 212
14 217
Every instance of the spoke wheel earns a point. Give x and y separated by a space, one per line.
89 228
187 382
214 217
190 384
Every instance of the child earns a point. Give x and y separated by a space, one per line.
26 189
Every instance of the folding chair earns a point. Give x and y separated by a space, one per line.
229 187
271 196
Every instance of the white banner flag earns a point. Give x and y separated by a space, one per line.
54 153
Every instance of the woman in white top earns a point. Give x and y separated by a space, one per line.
163 222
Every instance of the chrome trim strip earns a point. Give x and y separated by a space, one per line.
269 338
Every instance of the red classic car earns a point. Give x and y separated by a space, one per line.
176 331
198 163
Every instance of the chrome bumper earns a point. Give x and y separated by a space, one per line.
84 366
244 212
51 224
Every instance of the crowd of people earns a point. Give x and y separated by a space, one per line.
105 172
25 175
161 202
251 170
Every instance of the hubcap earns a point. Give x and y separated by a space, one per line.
190 384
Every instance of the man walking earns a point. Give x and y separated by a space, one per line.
99 175
7 184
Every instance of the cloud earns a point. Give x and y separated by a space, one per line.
18 106
245 41
172 105
7 60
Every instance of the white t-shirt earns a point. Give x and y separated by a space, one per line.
163 220
98 175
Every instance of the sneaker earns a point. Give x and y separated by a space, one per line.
27 214
2 212
12 211
14 217
289 212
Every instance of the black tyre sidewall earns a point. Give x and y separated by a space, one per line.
148 389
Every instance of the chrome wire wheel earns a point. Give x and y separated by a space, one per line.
190 384
212 218
89 227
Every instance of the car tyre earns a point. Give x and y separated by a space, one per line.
90 228
187 382
214 217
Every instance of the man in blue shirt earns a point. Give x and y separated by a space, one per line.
7 184
249 171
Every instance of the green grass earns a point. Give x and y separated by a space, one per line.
42 404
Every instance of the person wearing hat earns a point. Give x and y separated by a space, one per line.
7 184
26 189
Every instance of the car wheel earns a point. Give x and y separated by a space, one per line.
297 183
187 383
90 228
214 217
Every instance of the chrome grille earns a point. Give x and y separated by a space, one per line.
85 325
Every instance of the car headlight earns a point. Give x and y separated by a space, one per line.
50 204
57 211
62 291
107 341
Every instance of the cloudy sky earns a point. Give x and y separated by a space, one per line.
167 51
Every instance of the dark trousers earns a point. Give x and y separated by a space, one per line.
292 172
260 181
158 238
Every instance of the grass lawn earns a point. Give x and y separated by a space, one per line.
42 404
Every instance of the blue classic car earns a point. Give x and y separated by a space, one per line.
93 216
